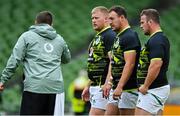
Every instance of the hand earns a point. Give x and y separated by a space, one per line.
1 86
85 94
117 93
143 89
106 90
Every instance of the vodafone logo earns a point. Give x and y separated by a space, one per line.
48 47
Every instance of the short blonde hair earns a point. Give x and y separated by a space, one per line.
102 9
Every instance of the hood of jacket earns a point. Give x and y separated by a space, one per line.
44 30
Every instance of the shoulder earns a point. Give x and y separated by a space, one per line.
29 34
130 34
26 35
60 39
109 33
158 38
130 37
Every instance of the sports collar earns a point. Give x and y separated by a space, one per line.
155 32
98 32
123 30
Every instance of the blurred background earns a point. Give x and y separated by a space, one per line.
72 19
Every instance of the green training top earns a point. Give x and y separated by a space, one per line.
41 51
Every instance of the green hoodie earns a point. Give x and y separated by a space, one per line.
41 51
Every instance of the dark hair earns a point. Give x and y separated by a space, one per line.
44 17
152 14
119 10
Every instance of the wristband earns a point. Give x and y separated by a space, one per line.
110 83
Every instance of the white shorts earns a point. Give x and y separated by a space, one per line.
59 105
128 100
96 98
111 100
154 100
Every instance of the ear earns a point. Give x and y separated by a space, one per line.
150 22
106 19
121 17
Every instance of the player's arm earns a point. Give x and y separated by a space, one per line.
66 55
153 71
108 83
130 60
109 76
85 94
156 54
108 42
15 59
108 46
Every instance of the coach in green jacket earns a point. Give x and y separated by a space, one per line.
41 51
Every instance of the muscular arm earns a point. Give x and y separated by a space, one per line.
108 78
153 71
108 83
130 60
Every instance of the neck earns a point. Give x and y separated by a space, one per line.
155 28
124 25
104 28
106 25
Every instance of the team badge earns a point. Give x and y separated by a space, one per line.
48 47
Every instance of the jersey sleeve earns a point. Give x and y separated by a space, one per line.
108 41
15 59
131 42
155 49
66 55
